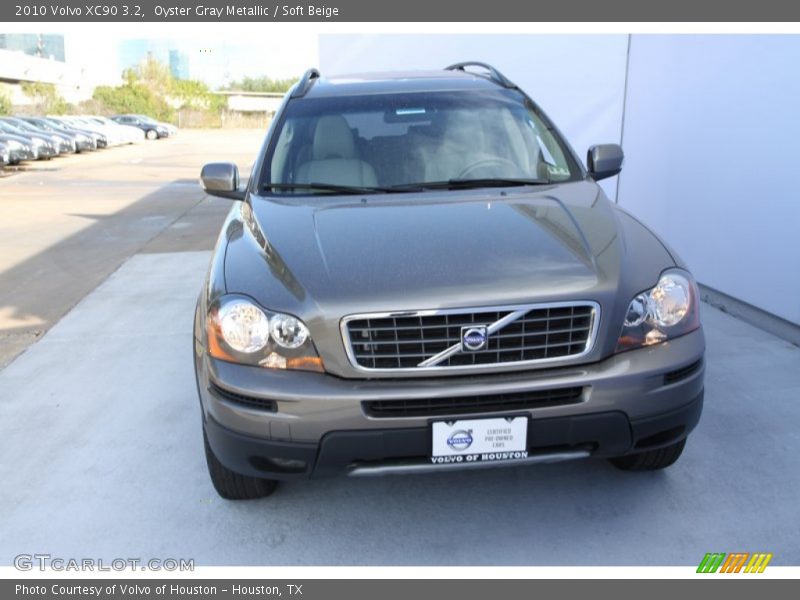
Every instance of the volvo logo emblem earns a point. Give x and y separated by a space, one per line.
460 440
474 338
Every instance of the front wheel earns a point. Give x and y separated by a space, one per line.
151 134
231 485
650 460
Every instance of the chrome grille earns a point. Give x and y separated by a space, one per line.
432 339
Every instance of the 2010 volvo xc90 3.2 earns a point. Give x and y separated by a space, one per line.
419 276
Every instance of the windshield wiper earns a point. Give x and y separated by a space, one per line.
465 184
328 187
451 184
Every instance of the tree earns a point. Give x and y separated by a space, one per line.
5 103
151 73
133 98
196 94
45 97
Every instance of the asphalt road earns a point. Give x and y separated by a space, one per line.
101 448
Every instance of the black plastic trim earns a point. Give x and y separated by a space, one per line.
306 83
242 399
683 372
494 74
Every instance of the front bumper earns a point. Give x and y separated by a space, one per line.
20 155
317 424
47 151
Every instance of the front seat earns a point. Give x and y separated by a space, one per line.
333 157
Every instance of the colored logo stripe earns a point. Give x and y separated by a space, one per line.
734 562
758 562
711 562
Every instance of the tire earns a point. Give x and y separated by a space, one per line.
651 460
233 486
151 134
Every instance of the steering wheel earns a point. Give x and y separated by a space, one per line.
490 164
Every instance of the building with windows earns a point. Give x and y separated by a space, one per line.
40 45
179 64
134 52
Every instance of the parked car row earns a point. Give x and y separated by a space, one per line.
25 138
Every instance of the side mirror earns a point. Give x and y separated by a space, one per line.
604 160
222 180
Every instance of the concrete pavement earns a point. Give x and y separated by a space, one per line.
101 456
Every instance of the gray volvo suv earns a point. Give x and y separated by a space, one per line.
420 276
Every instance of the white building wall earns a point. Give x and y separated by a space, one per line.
67 77
712 144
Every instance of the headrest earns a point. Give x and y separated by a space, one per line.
333 139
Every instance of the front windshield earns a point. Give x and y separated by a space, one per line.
396 141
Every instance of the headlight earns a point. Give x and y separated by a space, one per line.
288 331
14 145
666 311
37 142
241 331
244 326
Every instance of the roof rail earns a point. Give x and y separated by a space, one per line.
305 83
494 74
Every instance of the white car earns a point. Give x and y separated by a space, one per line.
112 135
129 135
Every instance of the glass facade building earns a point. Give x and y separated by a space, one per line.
42 45
134 52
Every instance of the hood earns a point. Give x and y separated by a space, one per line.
434 250
17 138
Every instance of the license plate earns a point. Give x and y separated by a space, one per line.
477 440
